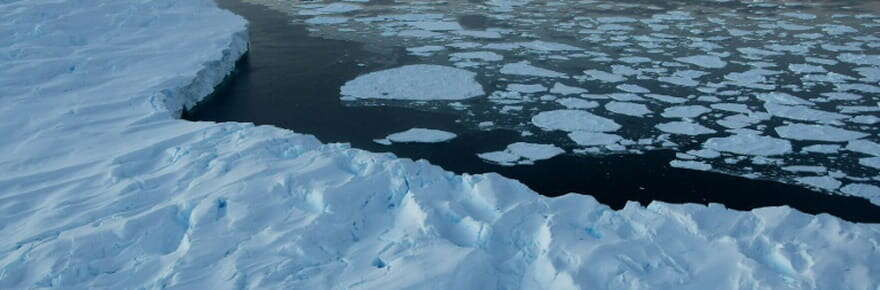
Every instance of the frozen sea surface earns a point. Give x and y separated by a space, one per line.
799 72
137 198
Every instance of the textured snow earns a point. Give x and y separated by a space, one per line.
421 135
415 82
817 133
749 144
104 188
574 120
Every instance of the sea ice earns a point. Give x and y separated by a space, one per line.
574 120
415 82
749 144
706 61
522 153
593 139
817 133
421 135
629 109
524 68
684 128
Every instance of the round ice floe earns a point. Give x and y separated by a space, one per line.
684 128
749 144
692 111
574 120
627 108
706 61
421 135
817 133
522 153
414 82
593 139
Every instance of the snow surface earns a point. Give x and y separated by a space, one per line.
415 82
105 188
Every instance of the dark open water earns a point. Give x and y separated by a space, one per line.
292 80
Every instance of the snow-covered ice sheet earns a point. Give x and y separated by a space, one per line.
104 187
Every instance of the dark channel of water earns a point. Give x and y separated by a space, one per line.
291 80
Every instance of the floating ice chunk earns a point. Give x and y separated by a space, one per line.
625 97
684 78
425 50
692 111
385 142
545 46
871 192
522 153
749 144
435 25
524 68
732 107
615 19
500 157
865 119
860 59
864 146
823 182
706 61
865 88
705 153
667 99
575 103
806 68
419 33
802 113
574 120
562 89
593 139
480 34
335 8
693 165
817 133
421 135
782 98
870 162
534 152
800 15
630 109
604 76
822 148
806 168
630 88
415 82
478 55
634 59
326 20
684 128
526 89
842 96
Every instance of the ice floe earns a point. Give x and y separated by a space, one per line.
415 82
419 135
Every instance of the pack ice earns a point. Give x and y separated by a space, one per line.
104 188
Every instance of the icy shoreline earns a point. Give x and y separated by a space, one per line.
106 188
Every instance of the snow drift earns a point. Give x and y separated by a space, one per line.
103 187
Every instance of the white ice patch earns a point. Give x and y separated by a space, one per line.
562 89
749 144
706 61
817 133
823 182
688 112
574 120
421 135
524 68
689 164
477 55
593 139
522 153
684 128
629 109
575 103
415 82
